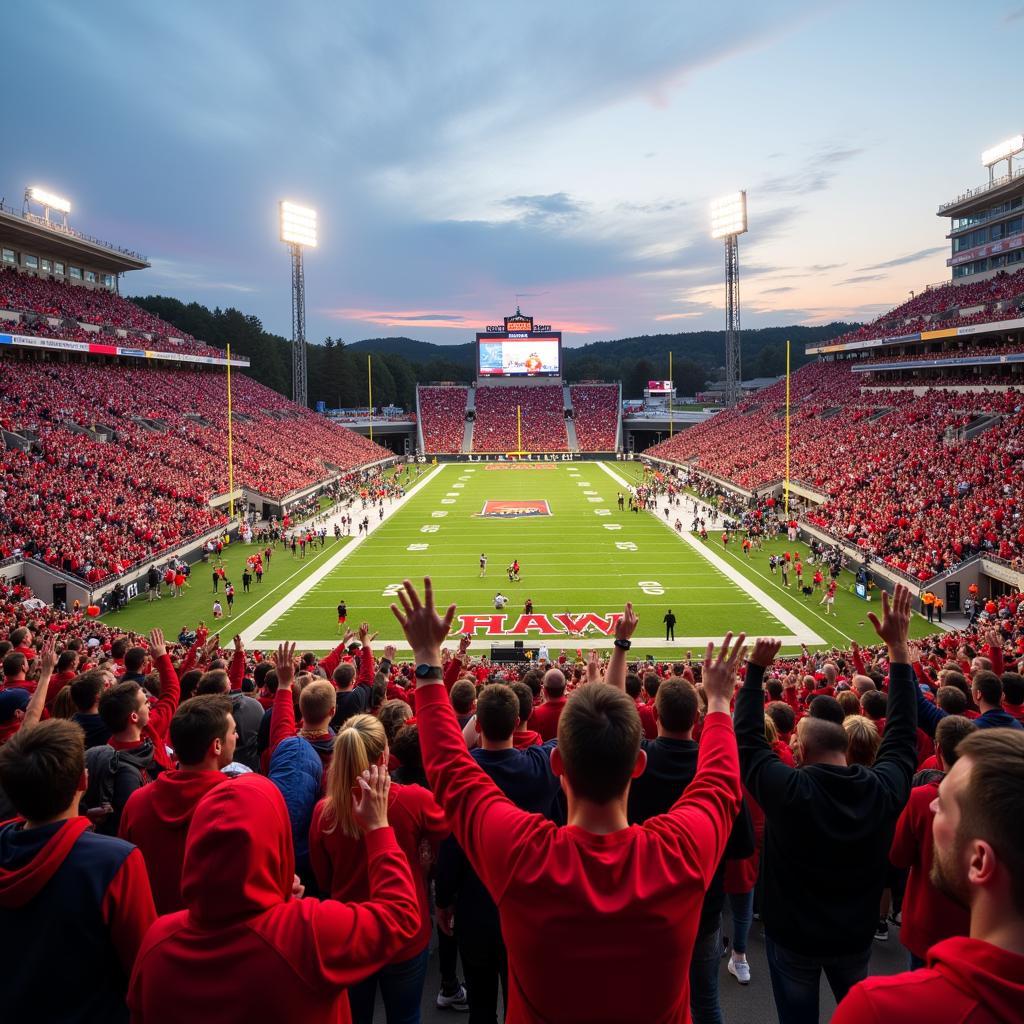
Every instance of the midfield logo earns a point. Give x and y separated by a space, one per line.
514 509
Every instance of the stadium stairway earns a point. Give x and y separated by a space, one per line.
570 423
467 435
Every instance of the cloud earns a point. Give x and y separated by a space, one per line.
862 278
822 267
1013 16
776 291
921 254
815 175
557 206
187 276
679 316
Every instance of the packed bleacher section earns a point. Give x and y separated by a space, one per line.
543 419
94 507
940 307
894 487
443 418
595 410
293 892
76 304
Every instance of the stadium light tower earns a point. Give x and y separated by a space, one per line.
49 202
298 230
729 221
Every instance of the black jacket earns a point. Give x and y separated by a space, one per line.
827 828
671 766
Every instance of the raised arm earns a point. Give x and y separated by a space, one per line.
366 663
282 716
897 756
615 673
702 818
488 826
170 689
764 774
37 702
236 671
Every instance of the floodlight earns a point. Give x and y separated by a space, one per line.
1003 151
729 215
298 224
44 198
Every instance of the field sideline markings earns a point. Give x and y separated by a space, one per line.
277 610
561 642
800 630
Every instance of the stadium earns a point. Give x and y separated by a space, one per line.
179 525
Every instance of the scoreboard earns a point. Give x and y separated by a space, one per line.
519 348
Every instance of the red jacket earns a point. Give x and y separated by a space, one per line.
967 981
156 820
339 861
929 916
244 945
582 894
160 715
545 717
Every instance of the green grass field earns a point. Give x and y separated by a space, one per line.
585 556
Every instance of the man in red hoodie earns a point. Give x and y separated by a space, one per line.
76 904
616 901
979 863
156 817
247 948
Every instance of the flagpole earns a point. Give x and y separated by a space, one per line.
231 458
671 420
369 384
787 431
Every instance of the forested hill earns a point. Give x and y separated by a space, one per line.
338 371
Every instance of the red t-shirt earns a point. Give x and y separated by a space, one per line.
339 861
545 717
616 906
928 915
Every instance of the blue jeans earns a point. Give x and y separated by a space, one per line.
742 906
401 988
704 967
796 980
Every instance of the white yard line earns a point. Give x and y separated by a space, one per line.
275 612
801 632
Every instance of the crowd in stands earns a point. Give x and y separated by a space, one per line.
596 415
894 487
94 507
443 418
542 419
77 304
936 308
263 836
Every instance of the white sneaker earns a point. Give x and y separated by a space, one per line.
740 970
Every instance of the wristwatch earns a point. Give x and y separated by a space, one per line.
429 672
623 645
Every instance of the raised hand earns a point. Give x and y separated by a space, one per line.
626 626
423 627
593 666
284 665
719 675
765 651
364 633
237 641
464 641
370 805
157 645
895 625
47 658
390 651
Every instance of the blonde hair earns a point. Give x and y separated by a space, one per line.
771 733
360 743
863 738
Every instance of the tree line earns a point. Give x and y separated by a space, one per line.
339 374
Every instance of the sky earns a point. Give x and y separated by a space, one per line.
467 156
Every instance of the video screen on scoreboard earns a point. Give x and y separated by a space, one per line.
519 357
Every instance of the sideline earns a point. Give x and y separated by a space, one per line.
801 632
269 617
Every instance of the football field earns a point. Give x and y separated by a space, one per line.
581 558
